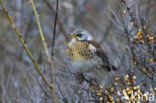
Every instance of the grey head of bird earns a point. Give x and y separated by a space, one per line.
80 35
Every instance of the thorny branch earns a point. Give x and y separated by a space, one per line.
51 62
19 35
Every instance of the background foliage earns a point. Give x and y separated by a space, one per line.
125 30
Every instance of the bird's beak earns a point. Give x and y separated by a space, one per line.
72 34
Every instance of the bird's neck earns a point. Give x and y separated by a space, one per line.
73 40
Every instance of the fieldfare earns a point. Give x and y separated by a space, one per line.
85 54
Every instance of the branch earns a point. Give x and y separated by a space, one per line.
23 44
54 33
53 44
40 30
59 20
46 49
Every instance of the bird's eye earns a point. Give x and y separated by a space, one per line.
79 35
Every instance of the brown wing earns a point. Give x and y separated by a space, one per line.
103 56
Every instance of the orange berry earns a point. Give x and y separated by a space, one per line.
115 84
136 37
151 60
140 37
139 32
117 78
143 41
99 94
112 89
127 76
150 39
134 77
128 89
118 100
132 24
101 86
124 11
98 91
101 98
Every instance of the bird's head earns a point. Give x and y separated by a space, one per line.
81 34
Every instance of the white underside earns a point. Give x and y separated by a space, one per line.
82 66
88 68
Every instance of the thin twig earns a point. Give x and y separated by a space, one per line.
54 32
40 30
46 50
53 45
58 19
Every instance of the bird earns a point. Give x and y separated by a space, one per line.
85 54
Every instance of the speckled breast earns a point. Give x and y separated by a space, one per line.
83 56
80 54
79 51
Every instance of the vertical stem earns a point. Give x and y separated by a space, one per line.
53 45
54 32
51 62
58 19
40 30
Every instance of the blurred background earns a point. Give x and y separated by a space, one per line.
20 82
